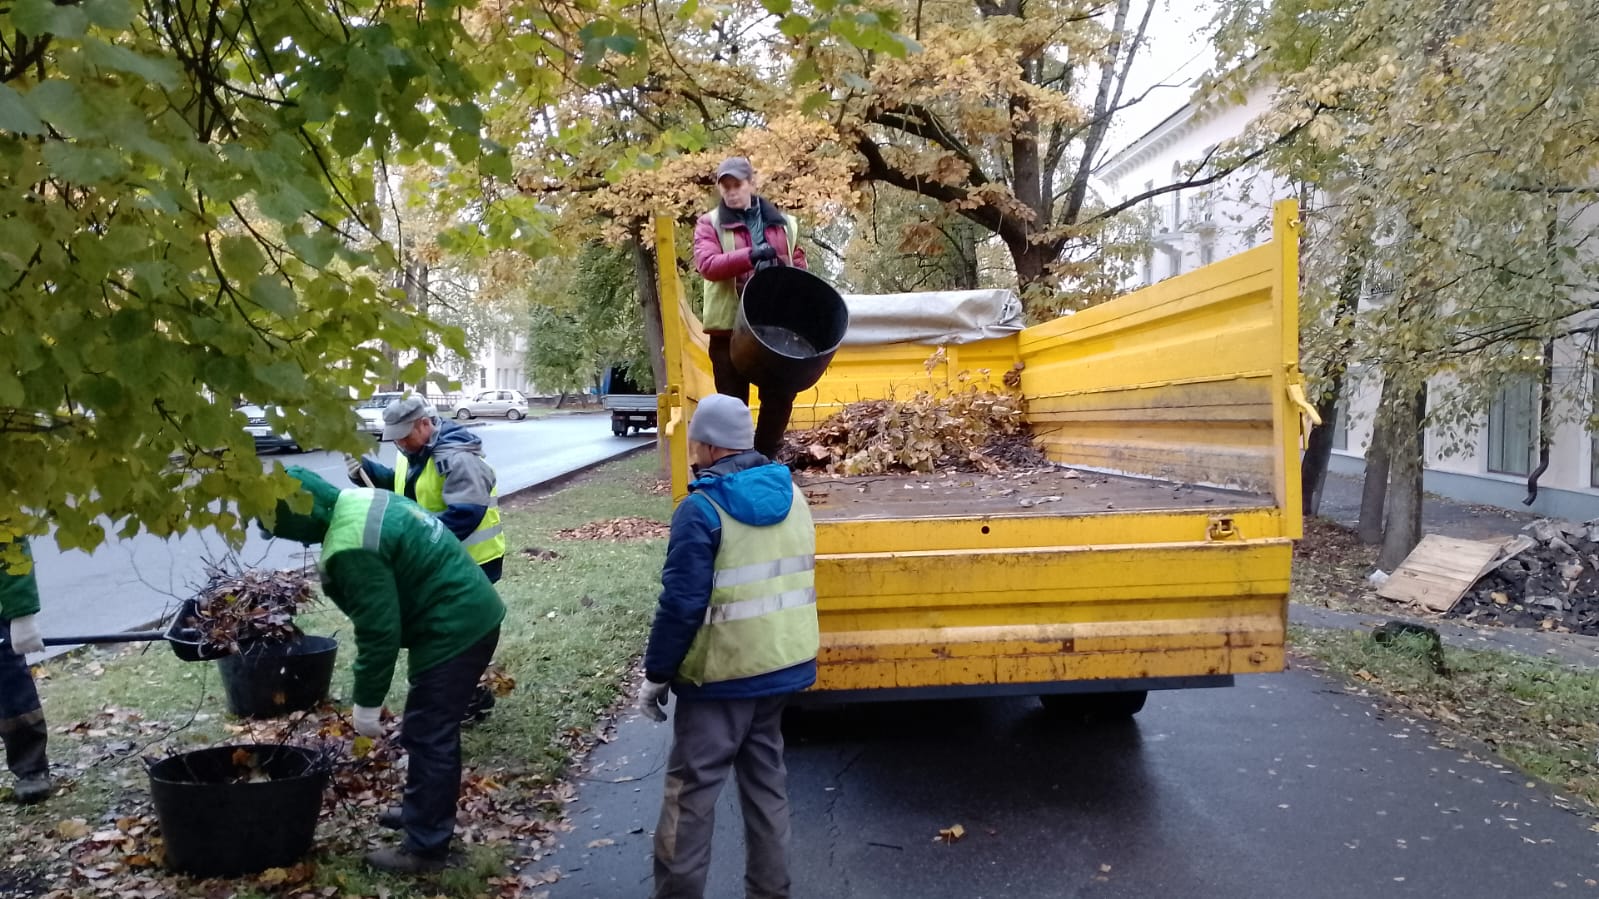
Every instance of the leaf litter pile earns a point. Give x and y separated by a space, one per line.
617 529
969 428
240 606
120 852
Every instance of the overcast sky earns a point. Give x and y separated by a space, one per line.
1178 52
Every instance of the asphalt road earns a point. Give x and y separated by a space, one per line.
1284 786
126 584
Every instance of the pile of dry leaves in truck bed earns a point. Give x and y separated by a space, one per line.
970 429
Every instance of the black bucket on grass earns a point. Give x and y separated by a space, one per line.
790 323
238 809
270 679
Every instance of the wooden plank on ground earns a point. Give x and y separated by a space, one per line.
1439 571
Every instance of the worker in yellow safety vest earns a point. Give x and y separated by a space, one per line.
440 465
735 635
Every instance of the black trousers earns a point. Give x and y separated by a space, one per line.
431 735
22 727
493 568
775 407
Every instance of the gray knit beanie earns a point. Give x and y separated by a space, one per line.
724 422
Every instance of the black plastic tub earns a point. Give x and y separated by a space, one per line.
790 323
271 679
217 822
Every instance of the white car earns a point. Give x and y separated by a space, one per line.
266 437
371 411
509 403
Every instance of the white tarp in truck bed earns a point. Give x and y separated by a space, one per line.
932 317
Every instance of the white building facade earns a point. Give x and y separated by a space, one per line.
1489 462
500 365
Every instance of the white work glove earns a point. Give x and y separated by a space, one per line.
352 464
25 637
368 720
652 700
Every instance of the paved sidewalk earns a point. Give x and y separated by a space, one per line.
1341 503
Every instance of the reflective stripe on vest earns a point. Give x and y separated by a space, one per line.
357 522
762 615
720 309
487 541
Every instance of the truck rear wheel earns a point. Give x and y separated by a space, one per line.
1095 706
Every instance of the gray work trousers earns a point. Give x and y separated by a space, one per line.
709 738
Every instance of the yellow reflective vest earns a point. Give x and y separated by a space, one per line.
762 616
487 542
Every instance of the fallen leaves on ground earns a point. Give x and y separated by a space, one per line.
540 554
951 834
617 529
121 853
1330 568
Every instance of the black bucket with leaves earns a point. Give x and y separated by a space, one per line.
265 680
233 810
790 323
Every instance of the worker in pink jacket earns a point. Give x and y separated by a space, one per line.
743 233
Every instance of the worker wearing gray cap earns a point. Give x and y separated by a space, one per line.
743 233
440 464
735 635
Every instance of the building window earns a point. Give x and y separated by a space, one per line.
1207 250
1513 428
1340 425
1149 267
482 377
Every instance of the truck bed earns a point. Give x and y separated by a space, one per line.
1051 492
628 402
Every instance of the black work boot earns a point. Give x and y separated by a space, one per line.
400 860
29 790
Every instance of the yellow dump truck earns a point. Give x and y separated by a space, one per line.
1158 559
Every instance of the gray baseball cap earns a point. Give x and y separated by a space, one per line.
737 166
401 416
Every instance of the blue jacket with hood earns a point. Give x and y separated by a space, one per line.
755 492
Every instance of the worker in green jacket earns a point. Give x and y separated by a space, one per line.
404 581
22 727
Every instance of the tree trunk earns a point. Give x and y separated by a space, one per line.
1318 452
1032 263
649 297
1374 489
416 299
1403 529
1313 468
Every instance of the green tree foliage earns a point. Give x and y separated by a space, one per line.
188 218
194 211
904 242
1457 144
585 318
